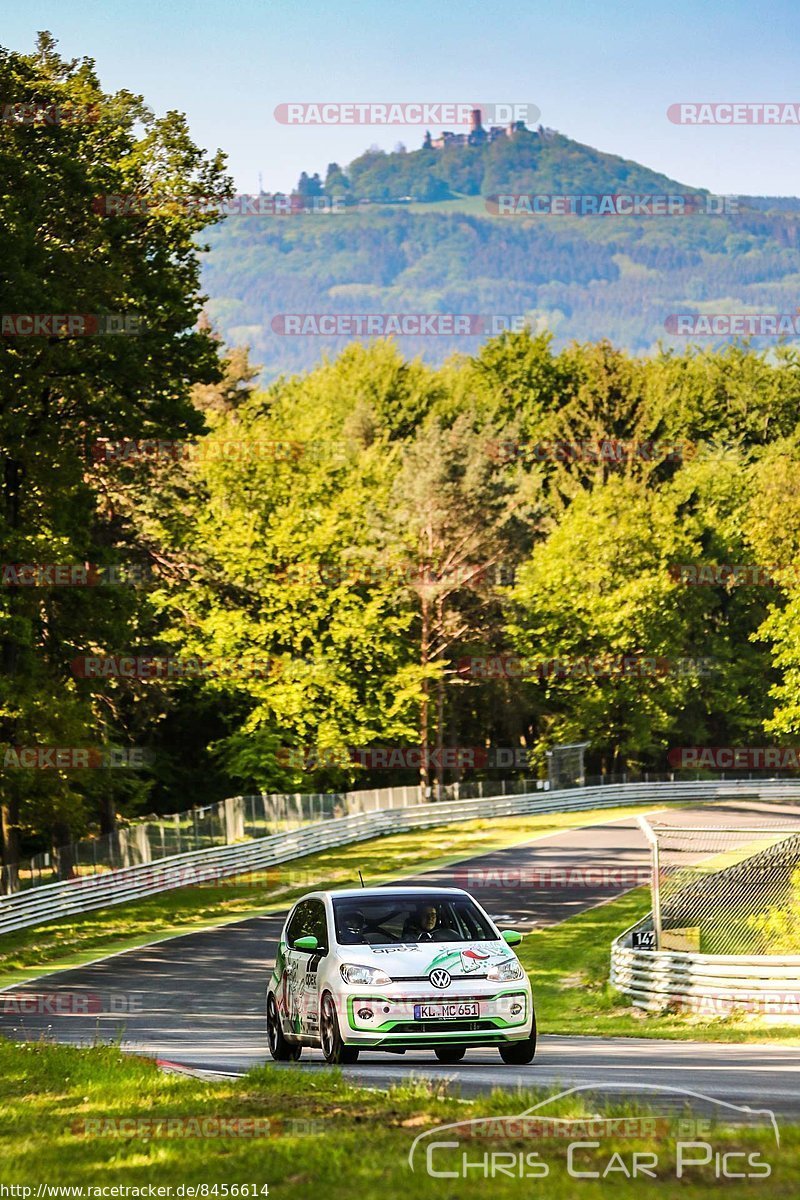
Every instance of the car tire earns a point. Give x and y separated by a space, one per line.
519 1054
280 1048
449 1054
334 1049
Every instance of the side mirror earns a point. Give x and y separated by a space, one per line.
306 943
511 937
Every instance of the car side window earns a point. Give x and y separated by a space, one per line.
307 920
317 924
296 926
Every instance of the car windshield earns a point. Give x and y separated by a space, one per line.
379 920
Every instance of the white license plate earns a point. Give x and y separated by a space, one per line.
445 1012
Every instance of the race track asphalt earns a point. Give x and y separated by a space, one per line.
196 1000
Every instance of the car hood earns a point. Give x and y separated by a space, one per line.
420 958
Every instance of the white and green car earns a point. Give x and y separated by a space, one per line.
397 969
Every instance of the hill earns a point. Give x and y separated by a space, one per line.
529 161
447 251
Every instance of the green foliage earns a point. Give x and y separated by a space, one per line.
61 393
527 162
348 564
779 927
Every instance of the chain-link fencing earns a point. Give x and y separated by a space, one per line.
730 888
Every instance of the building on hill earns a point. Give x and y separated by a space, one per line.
477 136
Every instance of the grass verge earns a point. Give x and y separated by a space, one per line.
327 1137
569 963
72 941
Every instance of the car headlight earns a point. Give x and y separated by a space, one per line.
509 969
364 976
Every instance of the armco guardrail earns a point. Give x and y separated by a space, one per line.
234 819
55 900
713 984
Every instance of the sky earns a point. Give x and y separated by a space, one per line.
601 73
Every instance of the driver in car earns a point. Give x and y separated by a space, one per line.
425 926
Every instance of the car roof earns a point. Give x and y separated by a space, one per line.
384 892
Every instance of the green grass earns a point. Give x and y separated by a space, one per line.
568 966
329 1138
72 941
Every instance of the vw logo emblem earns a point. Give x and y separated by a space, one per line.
440 979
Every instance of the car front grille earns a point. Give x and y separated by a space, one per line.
440 1026
427 979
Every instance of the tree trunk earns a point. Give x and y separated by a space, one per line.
439 737
108 813
424 711
63 852
9 804
9 845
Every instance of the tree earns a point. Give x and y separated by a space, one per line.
772 525
64 255
309 185
296 574
452 520
336 182
600 590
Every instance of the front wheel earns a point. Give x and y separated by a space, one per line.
450 1054
334 1049
519 1054
280 1049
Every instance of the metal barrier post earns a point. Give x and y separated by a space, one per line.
655 876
